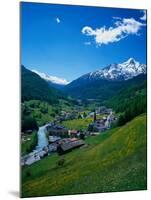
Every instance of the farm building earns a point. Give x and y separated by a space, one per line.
68 144
97 126
53 147
53 138
74 133
108 111
56 130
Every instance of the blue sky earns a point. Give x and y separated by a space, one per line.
69 41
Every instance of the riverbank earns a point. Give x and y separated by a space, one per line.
28 143
38 151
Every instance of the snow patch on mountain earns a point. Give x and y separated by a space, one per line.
52 79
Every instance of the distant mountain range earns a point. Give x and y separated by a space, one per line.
115 72
107 81
101 84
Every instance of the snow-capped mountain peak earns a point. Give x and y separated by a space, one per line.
130 63
132 68
122 71
52 79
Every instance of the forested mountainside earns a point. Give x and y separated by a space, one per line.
34 87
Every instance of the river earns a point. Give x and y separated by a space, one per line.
38 152
42 138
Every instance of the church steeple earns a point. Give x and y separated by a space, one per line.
94 117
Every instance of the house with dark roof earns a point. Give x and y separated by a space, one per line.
54 129
68 144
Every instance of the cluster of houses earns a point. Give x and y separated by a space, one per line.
100 110
34 156
58 133
63 116
58 142
62 140
100 125
103 110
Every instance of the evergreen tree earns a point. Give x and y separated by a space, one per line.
29 123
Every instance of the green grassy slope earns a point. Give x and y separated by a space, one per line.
78 124
114 161
42 111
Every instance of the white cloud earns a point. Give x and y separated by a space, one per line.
121 29
144 17
58 20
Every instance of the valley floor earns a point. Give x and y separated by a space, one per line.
112 161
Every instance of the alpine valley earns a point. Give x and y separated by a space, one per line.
110 104
83 99
116 85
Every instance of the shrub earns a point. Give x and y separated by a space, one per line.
61 162
28 173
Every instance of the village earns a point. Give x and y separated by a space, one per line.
55 137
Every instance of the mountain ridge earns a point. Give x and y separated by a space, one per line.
112 72
100 89
117 72
101 84
34 87
52 80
